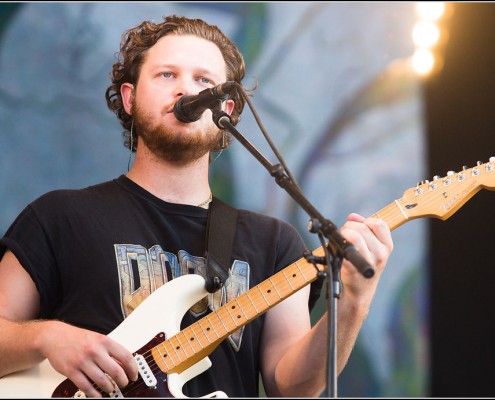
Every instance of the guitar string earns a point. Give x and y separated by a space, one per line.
386 214
255 298
148 356
258 298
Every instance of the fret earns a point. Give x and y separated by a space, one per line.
212 326
301 271
268 286
233 319
196 336
162 358
172 355
223 313
230 308
393 214
175 347
251 301
297 278
188 340
238 301
288 280
181 348
275 287
220 319
166 354
202 331
258 287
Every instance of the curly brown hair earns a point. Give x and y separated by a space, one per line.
133 47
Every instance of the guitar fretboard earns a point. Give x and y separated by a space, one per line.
201 338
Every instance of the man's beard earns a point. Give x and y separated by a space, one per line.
170 144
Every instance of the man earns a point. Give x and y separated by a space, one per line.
76 263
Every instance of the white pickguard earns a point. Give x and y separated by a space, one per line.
161 311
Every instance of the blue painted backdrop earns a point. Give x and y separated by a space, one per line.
336 96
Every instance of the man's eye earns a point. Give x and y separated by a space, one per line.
167 74
205 80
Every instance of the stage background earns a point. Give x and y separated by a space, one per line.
461 119
354 124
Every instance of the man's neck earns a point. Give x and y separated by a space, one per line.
185 184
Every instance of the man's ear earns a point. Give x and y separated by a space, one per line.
127 93
229 106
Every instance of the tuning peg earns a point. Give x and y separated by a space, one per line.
436 177
418 190
432 186
492 159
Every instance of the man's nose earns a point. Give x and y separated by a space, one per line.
185 87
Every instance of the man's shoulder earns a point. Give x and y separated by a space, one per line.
262 218
65 197
266 225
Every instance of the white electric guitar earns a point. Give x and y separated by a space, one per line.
168 358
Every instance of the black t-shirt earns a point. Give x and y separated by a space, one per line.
96 253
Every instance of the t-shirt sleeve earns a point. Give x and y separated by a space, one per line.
291 249
28 240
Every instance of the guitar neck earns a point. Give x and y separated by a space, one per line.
393 215
199 339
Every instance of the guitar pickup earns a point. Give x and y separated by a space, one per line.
145 371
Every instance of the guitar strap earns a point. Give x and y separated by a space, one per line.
220 233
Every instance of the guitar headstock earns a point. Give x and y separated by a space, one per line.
443 196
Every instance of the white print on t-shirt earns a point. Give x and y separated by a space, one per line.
142 271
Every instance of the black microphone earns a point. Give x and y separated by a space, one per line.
189 108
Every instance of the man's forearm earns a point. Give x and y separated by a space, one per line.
19 345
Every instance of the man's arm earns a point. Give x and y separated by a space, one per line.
19 301
76 353
294 354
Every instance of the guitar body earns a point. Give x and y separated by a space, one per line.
156 318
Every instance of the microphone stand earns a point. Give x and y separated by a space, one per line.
336 247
